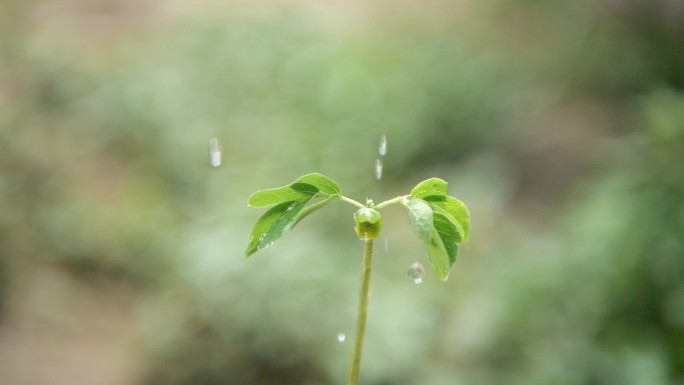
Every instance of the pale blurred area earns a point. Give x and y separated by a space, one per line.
559 122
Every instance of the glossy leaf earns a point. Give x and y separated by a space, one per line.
290 205
449 235
301 188
433 222
438 256
420 216
263 224
441 246
455 210
275 196
272 225
459 229
432 186
321 182
315 207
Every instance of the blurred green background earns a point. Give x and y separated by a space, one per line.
559 122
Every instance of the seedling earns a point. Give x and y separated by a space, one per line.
440 221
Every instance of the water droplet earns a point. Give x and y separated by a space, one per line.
262 236
386 244
382 150
416 272
214 152
341 337
293 205
378 169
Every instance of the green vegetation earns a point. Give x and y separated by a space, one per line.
440 221
559 122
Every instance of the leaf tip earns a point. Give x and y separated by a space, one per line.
443 274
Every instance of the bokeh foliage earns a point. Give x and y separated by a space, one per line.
560 124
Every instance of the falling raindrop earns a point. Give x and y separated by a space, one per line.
214 152
341 337
382 150
386 244
378 169
416 272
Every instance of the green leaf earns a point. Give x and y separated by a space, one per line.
275 196
439 233
274 223
289 207
420 215
459 230
455 210
301 188
449 235
315 206
262 226
432 186
442 250
322 182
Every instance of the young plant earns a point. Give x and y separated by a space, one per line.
440 221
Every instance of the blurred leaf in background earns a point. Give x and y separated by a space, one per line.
121 249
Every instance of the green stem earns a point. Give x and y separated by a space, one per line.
309 209
364 297
351 201
392 201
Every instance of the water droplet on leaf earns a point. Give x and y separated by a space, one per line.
416 272
214 152
341 337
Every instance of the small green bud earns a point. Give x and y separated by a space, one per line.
368 223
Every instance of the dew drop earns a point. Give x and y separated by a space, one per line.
341 337
214 152
416 272
382 150
378 169
262 236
